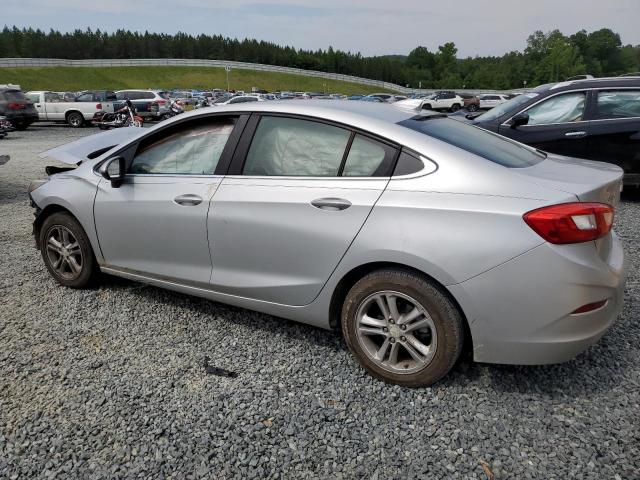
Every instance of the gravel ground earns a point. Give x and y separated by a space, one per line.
112 383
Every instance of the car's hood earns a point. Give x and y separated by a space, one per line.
79 151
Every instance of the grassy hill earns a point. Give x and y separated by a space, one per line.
118 78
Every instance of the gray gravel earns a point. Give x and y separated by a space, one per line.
112 383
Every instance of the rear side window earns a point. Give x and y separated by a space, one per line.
86 97
194 148
292 147
491 146
618 104
147 95
368 158
14 95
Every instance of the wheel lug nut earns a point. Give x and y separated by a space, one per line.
403 327
391 320
403 339
385 329
392 340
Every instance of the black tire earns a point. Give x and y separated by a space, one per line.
75 119
455 107
88 266
445 316
427 107
472 107
21 125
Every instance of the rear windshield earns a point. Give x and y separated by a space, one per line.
15 96
476 140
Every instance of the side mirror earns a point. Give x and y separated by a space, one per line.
114 170
520 119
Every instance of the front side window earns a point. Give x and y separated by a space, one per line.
618 104
565 108
34 97
292 147
191 149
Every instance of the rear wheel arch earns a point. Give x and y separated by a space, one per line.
69 113
350 278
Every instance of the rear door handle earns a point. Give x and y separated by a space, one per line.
188 200
331 204
575 134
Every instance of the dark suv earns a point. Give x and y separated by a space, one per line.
597 119
17 108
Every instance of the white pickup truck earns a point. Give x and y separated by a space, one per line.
51 107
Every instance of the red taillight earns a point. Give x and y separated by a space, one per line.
571 222
16 106
98 106
160 102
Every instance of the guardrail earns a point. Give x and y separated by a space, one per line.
185 62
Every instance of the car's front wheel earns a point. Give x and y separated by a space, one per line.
66 251
402 328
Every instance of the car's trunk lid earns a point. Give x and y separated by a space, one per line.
588 180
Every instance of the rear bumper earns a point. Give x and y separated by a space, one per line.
520 311
21 116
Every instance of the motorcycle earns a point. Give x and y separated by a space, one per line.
176 107
5 127
122 118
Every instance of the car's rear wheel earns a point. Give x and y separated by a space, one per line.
66 251
75 119
402 328
472 107
455 107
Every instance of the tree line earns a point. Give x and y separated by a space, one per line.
548 57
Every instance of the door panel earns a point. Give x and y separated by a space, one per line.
618 141
270 243
564 139
141 226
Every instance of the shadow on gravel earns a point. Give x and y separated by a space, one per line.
12 192
256 320
597 370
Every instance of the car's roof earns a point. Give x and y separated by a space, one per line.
591 83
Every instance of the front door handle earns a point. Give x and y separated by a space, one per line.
331 204
575 134
188 200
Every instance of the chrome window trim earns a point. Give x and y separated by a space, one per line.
585 90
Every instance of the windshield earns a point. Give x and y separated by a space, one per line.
491 146
506 107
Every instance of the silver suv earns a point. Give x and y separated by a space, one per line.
152 104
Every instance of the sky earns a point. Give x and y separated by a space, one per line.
372 27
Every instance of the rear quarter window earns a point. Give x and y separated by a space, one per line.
475 140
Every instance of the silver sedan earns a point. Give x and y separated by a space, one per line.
414 235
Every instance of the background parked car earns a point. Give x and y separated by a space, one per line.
16 107
240 99
492 100
51 107
443 101
148 103
470 102
597 119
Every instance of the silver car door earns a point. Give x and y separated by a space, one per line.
279 228
155 222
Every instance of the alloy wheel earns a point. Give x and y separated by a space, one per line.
64 252
396 332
